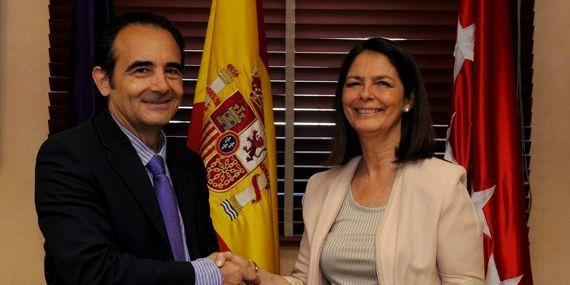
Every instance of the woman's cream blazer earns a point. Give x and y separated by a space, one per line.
429 232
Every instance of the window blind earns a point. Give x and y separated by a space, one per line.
324 32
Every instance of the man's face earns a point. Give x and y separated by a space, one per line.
146 87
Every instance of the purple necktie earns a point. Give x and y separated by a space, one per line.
168 206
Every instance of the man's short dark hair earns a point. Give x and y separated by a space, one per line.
104 52
416 139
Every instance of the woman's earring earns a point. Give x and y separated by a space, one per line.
406 109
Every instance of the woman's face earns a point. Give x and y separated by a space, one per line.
373 96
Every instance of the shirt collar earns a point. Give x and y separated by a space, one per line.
144 152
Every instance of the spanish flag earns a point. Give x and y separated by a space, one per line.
232 129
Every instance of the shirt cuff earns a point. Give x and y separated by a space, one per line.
206 272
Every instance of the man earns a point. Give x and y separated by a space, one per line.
116 203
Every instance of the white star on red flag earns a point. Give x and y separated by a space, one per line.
493 276
448 155
480 199
464 46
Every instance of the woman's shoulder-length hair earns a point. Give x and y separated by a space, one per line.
416 140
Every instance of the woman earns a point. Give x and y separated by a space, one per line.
390 213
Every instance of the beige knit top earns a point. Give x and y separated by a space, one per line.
348 254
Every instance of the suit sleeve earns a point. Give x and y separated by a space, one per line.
78 234
460 238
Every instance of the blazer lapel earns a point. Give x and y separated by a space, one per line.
125 161
337 188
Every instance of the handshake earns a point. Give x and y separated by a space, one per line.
237 270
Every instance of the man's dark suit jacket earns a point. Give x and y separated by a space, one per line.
98 211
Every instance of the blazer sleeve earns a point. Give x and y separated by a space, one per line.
300 270
299 274
460 238
79 238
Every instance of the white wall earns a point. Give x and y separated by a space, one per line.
550 151
24 87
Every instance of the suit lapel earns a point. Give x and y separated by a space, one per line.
184 180
336 192
338 187
125 161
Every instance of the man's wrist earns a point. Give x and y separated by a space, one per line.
207 272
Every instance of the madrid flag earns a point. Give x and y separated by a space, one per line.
484 136
232 129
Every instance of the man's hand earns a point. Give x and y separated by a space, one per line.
235 270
